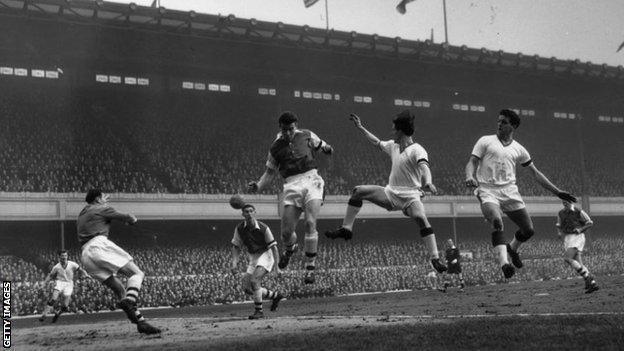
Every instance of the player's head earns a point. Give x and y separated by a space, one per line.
248 211
288 124
567 204
512 117
403 124
95 196
63 255
449 243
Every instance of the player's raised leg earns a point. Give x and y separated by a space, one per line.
372 193
416 211
493 214
312 209
290 217
522 219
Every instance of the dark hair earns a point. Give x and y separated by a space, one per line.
62 252
288 117
92 195
246 206
404 122
514 119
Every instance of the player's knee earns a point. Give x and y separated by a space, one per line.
426 232
497 223
310 226
498 238
255 284
524 235
356 196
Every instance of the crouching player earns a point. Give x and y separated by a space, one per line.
257 238
102 258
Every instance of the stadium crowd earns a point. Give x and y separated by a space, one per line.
90 139
181 276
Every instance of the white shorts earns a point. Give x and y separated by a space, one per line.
402 199
301 188
66 288
102 258
264 260
507 197
574 241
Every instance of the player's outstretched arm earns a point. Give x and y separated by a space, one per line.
426 178
236 251
470 169
358 124
266 178
548 185
276 258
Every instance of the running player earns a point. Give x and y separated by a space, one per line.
257 238
454 267
492 171
103 259
293 155
410 169
63 274
572 223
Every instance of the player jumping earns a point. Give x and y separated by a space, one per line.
410 169
293 155
493 160
63 274
103 259
257 238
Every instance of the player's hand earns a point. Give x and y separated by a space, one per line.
133 219
471 182
430 188
577 230
565 196
356 120
327 149
252 186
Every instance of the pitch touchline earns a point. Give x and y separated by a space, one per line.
406 317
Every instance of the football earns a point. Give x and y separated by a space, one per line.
237 202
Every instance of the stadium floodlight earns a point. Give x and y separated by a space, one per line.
354 34
192 14
231 18
99 3
397 40
305 28
162 10
253 22
132 6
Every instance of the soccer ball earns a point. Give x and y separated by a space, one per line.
237 202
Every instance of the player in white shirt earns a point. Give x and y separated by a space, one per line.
492 171
63 275
409 176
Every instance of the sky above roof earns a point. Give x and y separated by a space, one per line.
566 29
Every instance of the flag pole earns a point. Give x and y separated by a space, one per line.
445 26
326 15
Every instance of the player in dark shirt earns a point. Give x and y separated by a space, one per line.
257 238
452 262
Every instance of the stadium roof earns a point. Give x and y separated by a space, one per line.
230 27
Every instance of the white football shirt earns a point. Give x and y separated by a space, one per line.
65 274
497 164
404 174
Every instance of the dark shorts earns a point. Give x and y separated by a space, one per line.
454 269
